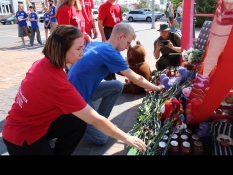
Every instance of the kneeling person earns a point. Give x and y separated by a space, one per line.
172 46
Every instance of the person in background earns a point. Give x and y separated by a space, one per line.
110 14
22 17
46 22
53 20
45 110
33 18
173 45
69 12
90 28
171 18
99 59
179 15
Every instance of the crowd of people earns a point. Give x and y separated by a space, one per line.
60 106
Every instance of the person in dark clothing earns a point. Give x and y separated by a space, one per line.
173 45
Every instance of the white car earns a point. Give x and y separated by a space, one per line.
139 15
41 16
95 14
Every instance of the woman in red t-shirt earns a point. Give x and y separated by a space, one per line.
69 12
48 106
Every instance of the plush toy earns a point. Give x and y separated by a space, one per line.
204 129
200 87
222 133
136 57
169 81
229 99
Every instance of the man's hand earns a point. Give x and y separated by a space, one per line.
170 45
159 45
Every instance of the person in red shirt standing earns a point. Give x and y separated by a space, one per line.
69 12
110 14
47 106
90 29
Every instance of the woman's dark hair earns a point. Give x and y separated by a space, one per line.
59 42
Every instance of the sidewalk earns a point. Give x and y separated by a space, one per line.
14 65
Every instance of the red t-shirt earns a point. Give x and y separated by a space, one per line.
68 15
87 6
44 95
111 14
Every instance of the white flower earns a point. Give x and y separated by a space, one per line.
190 57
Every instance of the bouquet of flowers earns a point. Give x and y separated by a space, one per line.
192 55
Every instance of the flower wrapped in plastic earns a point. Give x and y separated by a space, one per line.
192 55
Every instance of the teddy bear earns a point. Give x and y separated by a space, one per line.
136 59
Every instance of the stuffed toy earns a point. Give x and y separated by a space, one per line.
136 57
222 136
229 99
204 129
169 81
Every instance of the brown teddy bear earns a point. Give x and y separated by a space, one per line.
136 57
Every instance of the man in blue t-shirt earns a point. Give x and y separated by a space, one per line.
99 59
53 19
33 18
22 17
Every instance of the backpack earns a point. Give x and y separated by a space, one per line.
173 39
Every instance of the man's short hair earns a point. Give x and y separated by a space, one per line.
127 29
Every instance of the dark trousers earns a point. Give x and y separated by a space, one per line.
68 131
107 33
33 31
165 62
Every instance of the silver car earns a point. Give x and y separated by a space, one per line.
138 15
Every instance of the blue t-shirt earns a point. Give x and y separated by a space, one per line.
46 18
21 15
52 13
33 16
100 58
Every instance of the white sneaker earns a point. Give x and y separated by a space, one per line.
23 45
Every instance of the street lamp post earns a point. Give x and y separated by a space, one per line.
153 15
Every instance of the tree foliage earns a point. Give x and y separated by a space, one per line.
204 7
142 4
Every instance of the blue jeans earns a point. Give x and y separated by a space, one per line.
173 29
109 91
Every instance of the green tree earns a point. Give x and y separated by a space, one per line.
204 7
142 4
176 3
124 9
157 7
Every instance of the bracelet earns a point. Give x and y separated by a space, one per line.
114 131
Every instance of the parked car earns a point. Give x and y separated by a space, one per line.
40 16
139 15
95 14
146 9
124 14
9 20
159 14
